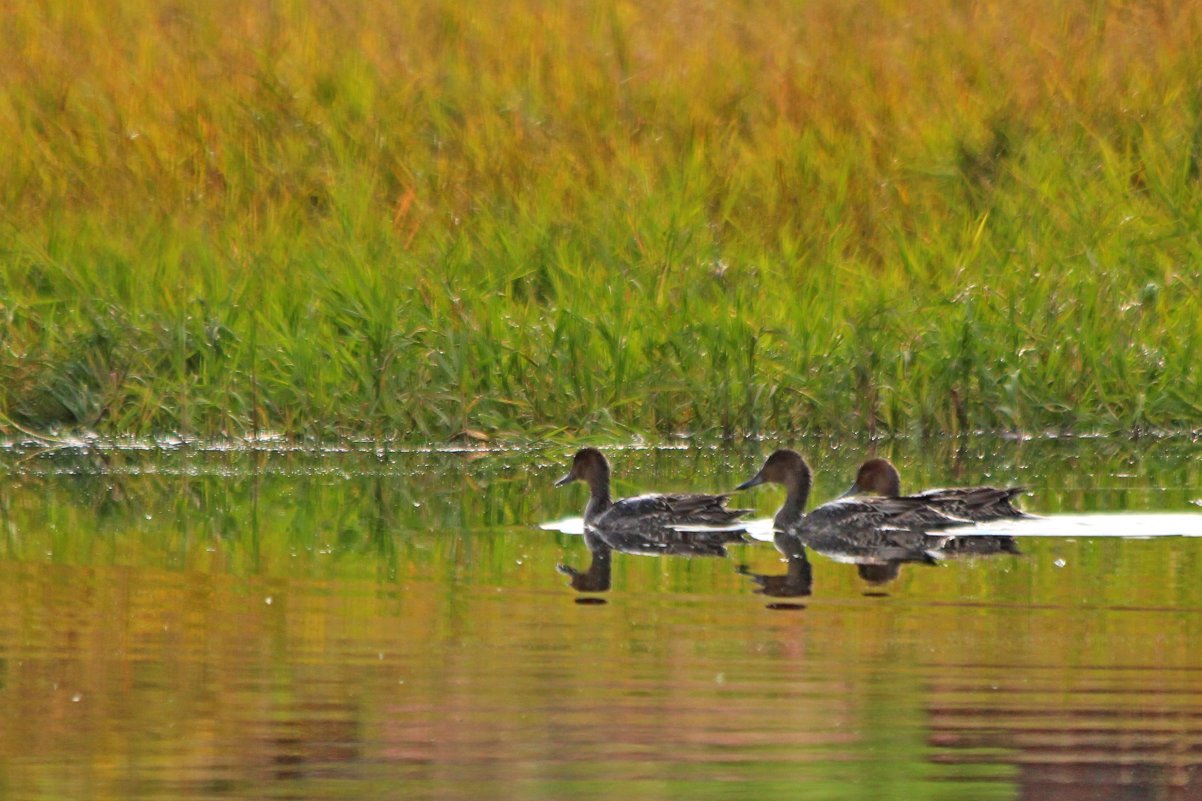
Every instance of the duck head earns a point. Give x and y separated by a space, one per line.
784 467
787 468
876 477
589 466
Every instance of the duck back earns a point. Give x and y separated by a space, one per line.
895 514
643 512
879 477
974 503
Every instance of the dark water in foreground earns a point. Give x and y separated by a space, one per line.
344 626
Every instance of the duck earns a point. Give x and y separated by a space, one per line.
879 477
871 523
643 512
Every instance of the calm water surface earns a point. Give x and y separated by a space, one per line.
288 624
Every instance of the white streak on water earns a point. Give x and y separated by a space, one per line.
1131 525
565 525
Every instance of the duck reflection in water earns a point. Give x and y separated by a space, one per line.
878 560
884 566
880 563
876 563
798 580
597 577
647 541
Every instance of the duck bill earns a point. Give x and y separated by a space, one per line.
854 489
563 482
754 481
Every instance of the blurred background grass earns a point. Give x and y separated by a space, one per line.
540 219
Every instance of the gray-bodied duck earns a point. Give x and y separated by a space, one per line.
879 477
643 512
875 522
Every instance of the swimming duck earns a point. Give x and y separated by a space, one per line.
880 477
878 521
643 512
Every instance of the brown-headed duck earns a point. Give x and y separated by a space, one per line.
878 521
643 512
879 477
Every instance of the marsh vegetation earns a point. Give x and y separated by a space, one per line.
422 219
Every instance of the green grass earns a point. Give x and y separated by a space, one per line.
539 219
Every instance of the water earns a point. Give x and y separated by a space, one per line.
288 624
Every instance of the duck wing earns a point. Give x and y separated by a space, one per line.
690 509
879 514
974 503
701 508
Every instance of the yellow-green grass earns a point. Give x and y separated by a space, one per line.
539 218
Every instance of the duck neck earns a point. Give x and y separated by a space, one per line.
599 500
797 492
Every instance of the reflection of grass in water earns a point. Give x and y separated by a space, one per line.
682 676
428 219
